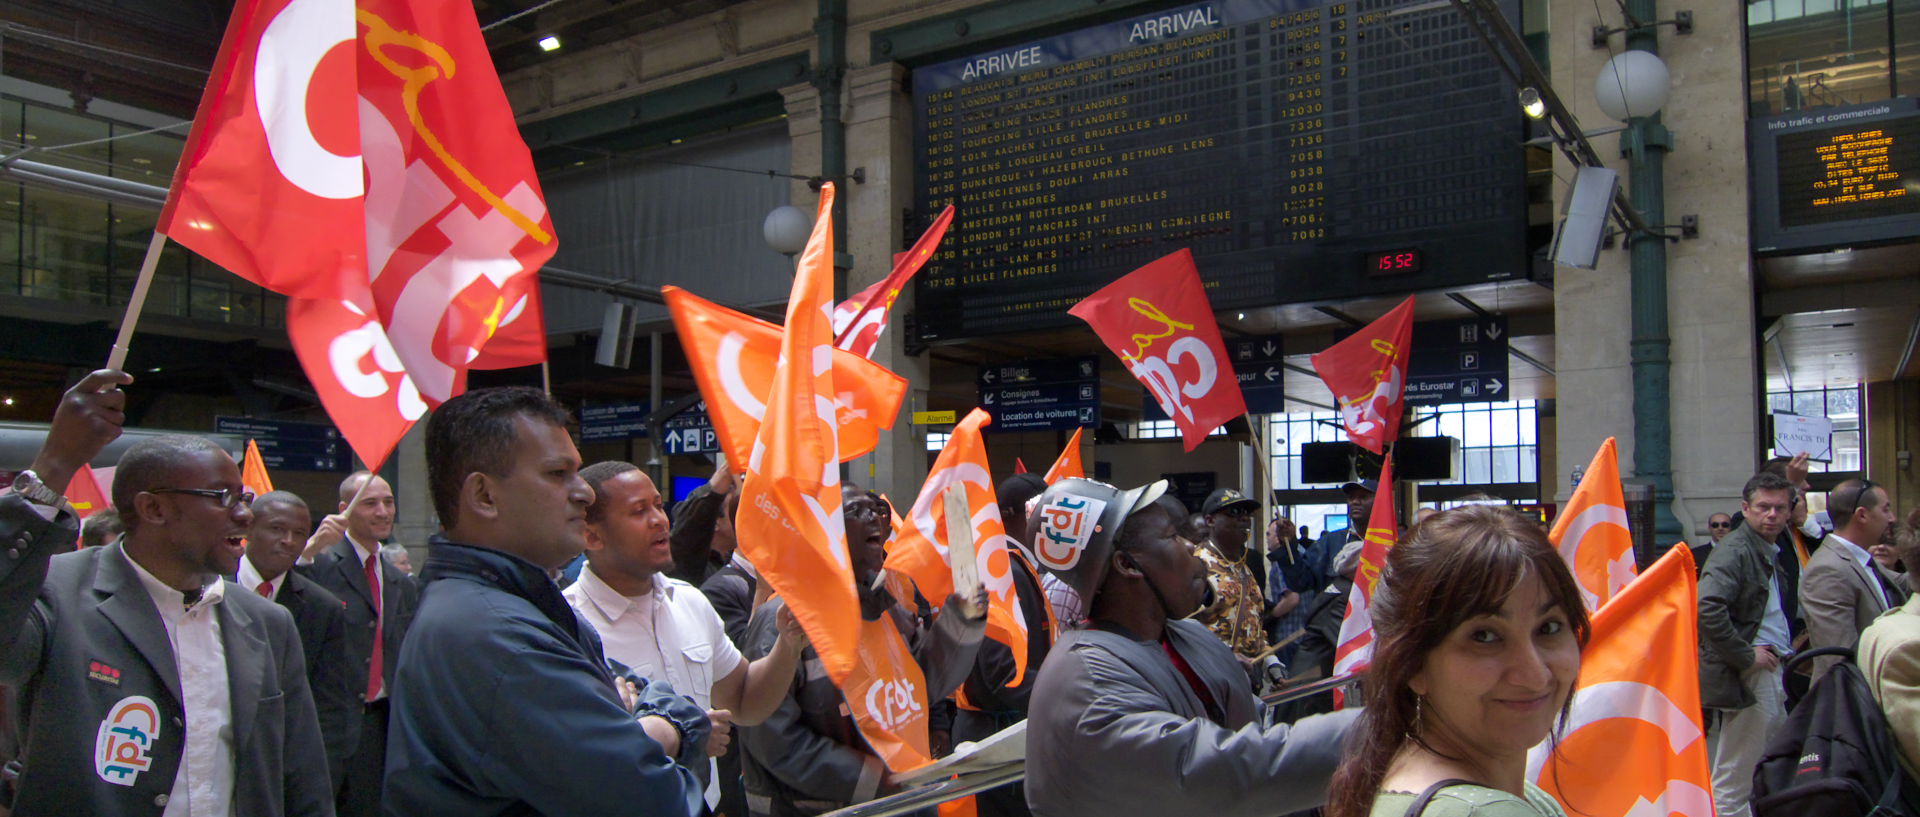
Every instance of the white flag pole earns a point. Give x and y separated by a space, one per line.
117 359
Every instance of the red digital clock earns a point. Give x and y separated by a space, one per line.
1393 262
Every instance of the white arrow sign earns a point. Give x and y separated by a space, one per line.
987 398
1493 331
988 376
1269 349
1494 385
1272 374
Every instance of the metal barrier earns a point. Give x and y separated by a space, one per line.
958 786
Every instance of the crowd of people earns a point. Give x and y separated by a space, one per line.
568 647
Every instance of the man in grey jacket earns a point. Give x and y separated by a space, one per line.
1143 712
1744 638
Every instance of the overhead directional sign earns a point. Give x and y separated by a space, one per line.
1061 393
600 422
1259 365
290 446
1463 361
689 432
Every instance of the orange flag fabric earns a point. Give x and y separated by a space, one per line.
1634 742
1068 463
920 547
733 357
888 696
253 470
1592 534
85 495
790 524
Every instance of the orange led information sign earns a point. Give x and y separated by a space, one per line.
1850 172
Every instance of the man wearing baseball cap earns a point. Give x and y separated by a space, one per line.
1239 605
1141 712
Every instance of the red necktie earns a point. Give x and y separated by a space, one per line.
266 589
373 585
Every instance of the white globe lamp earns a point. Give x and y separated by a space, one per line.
786 229
1633 83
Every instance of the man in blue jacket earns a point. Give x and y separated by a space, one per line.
503 700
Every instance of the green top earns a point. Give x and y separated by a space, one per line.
1468 800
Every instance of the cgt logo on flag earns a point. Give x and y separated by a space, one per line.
1067 524
123 746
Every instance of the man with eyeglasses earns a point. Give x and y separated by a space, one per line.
1718 526
1842 590
1744 640
149 684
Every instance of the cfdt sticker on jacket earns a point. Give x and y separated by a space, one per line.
1067 524
123 748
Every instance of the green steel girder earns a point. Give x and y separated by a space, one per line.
749 87
950 34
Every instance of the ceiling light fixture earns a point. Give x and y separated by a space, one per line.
550 43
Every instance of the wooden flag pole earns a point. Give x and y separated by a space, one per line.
1260 457
117 359
546 379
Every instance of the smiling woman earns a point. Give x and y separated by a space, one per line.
1479 627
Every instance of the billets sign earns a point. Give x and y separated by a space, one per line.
290 446
1035 395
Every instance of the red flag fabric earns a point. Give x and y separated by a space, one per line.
253 470
1634 742
859 320
1158 320
920 546
1068 463
269 184
790 525
733 357
356 373
401 282
1368 375
85 493
1354 648
1591 531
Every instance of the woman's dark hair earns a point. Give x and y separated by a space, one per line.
1456 565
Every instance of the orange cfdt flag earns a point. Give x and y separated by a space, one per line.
1367 373
1634 742
1591 531
1068 463
733 358
253 471
920 546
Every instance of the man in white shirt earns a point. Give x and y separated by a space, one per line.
149 686
664 628
343 556
1841 591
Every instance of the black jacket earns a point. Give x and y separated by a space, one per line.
339 570
321 618
504 705
81 640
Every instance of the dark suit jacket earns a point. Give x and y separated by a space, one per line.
80 638
340 571
730 590
321 618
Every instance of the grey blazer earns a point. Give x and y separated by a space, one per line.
81 640
1114 730
1839 598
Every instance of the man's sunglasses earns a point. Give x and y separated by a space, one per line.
1728 525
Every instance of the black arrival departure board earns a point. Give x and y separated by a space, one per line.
1304 151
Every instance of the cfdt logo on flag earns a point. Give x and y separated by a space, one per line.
892 703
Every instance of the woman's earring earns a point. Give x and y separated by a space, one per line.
1419 711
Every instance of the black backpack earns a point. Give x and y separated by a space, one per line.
1835 756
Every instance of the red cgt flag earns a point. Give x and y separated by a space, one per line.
1354 647
859 320
1368 375
733 357
361 157
85 493
1158 320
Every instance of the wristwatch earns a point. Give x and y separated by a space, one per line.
29 486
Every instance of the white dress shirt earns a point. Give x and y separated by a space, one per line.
671 634
203 787
249 579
